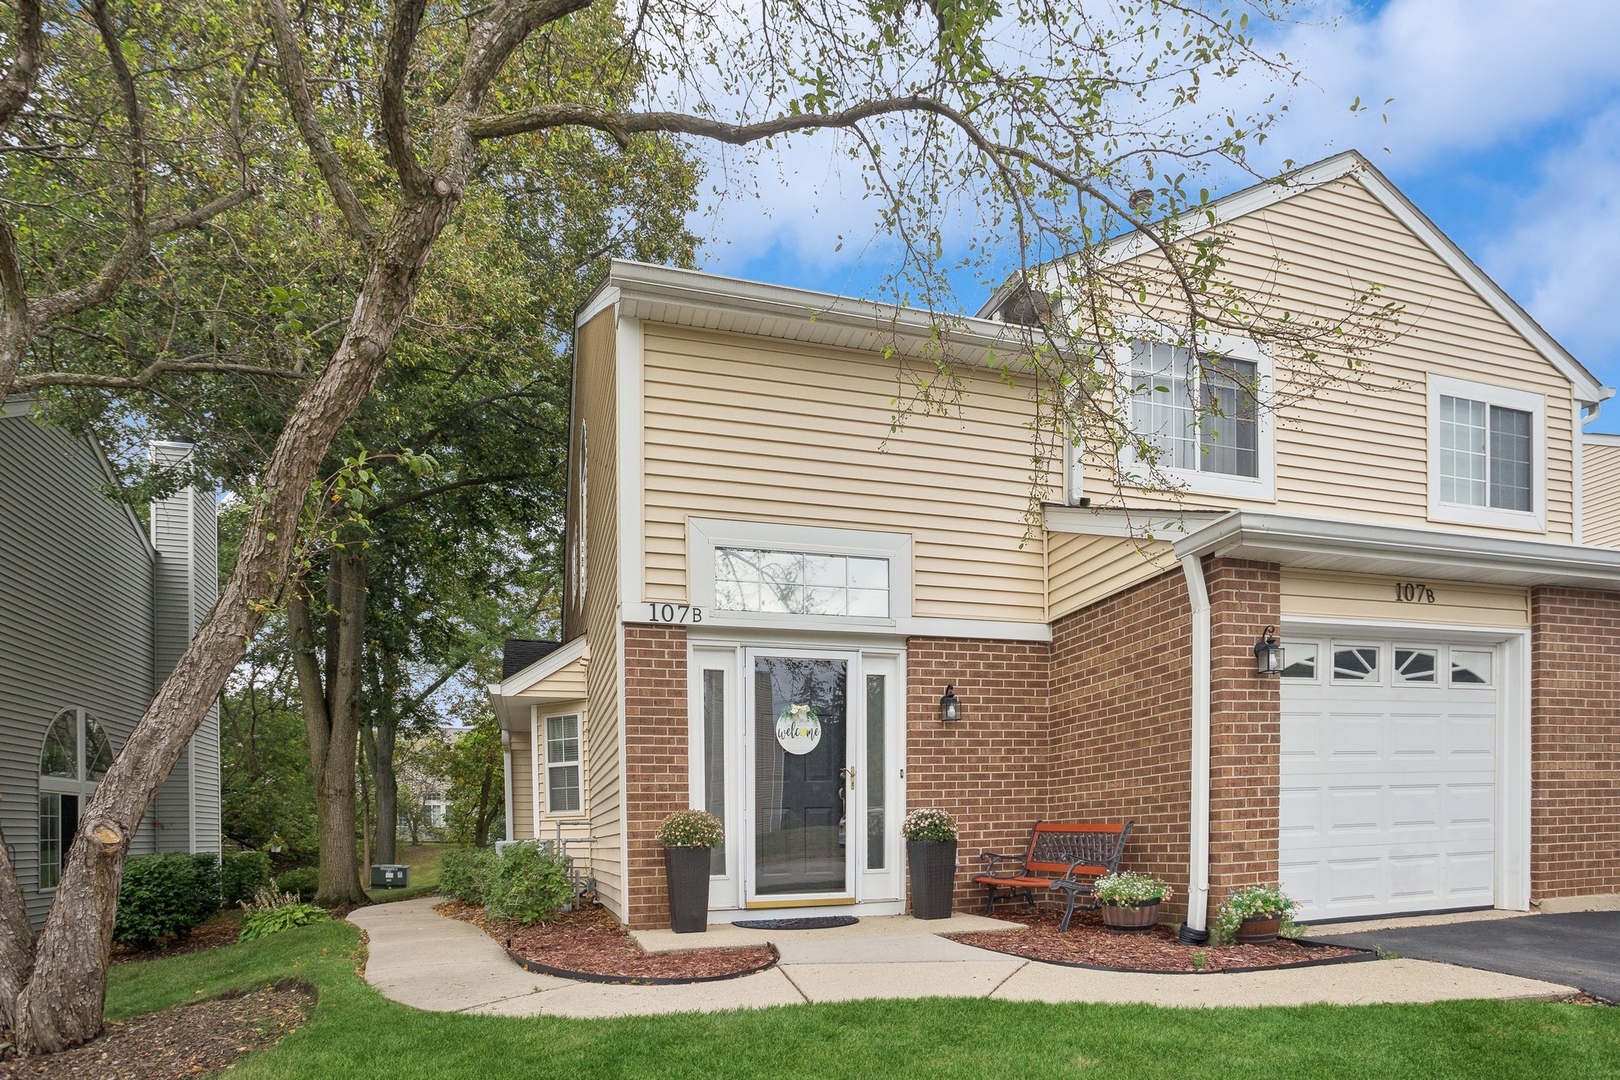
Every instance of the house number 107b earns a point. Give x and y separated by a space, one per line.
1411 592
674 613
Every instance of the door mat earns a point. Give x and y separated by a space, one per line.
817 922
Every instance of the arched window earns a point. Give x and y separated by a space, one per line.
75 756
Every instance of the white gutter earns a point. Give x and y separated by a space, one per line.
506 761
1198 818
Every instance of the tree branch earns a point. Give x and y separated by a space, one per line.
622 125
295 89
394 114
17 85
145 376
454 485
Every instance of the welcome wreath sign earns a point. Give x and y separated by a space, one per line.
798 729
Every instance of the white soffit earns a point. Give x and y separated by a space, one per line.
692 298
1125 522
1593 438
1360 548
1588 390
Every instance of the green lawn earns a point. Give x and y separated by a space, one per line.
355 1033
423 859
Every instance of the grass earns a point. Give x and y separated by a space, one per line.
354 1032
423 859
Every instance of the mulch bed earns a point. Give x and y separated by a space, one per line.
221 929
1090 944
192 1040
590 942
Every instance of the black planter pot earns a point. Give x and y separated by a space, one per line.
933 877
688 871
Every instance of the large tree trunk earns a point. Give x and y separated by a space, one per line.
386 786
331 707
485 813
16 940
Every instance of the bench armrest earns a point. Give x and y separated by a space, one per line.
991 858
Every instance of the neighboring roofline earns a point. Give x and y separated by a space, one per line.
1596 438
1300 541
543 668
665 294
1352 164
1126 522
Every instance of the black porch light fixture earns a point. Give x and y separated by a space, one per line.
950 709
1268 654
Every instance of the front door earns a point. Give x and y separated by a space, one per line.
799 726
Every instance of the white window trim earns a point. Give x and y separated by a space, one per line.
1262 487
543 756
1536 406
704 535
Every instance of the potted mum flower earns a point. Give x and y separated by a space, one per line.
1130 901
931 851
687 836
1255 915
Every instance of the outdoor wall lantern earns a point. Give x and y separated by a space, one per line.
950 710
1268 654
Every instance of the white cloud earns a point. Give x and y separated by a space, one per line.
1559 248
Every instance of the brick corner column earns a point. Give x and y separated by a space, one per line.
1245 718
656 780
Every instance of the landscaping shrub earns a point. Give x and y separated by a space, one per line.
465 874
243 873
271 911
529 885
303 882
206 883
157 899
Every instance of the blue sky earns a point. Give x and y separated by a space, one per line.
1505 130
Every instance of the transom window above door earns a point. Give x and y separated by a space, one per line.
1485 457
800 583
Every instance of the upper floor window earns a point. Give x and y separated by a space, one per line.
1201 414
1486 454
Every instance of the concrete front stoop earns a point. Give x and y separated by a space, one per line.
422 959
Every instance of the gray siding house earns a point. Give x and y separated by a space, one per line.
95 609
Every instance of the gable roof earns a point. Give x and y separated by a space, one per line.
519 653
1352 165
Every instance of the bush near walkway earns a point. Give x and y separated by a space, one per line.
357 1035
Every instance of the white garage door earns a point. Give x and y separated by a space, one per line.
1388 776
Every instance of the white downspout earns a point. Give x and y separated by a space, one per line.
1198 819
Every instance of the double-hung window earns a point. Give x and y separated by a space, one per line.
562 764
1200 414
1486 445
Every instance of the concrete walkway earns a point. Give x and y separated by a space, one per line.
420 958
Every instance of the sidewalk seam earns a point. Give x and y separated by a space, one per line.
796 987
1003 982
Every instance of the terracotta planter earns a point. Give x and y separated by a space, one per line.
1259 930
933 877
1130 920
687 869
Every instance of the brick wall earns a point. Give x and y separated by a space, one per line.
656 781
1574 742
1122 723
1245 714
989 768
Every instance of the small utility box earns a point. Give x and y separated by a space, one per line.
390 876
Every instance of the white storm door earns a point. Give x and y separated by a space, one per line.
1387 776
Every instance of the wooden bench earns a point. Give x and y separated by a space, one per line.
1066 857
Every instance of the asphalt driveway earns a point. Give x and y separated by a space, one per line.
1576 949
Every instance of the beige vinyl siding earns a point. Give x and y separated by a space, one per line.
567 683
744 429
1361 451
1085 569
1320 594
522 784
595 402
1600 509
